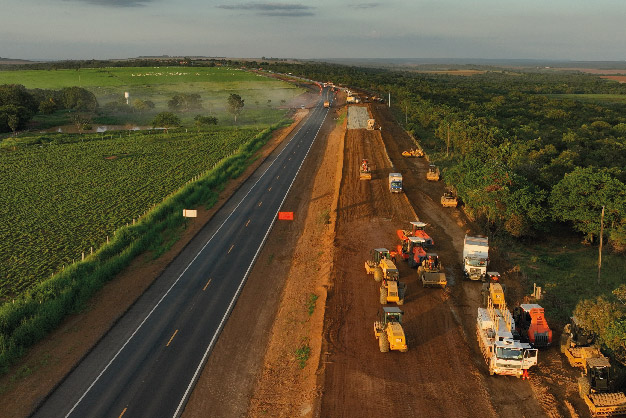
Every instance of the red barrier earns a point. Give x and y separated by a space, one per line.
285 216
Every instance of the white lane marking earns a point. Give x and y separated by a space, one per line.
193 381
177 280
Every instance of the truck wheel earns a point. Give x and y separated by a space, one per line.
378 274
383 342
383 295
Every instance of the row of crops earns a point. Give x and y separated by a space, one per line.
62 195
43 305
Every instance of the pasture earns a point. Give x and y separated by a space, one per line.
265 98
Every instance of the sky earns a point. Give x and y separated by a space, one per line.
585 30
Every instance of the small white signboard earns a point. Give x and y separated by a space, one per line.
190 213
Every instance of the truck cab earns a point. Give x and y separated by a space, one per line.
395 182
475 257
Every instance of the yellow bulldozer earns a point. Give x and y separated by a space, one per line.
433 173
389 332
413 152
381 265
449 199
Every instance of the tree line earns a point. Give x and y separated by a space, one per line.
18 105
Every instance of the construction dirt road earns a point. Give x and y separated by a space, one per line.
443 373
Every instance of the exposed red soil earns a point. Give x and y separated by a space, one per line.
618 78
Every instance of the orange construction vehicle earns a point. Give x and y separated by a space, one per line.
411 249
365 172
531 325
416 231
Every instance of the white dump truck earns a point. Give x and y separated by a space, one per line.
475 257
395 182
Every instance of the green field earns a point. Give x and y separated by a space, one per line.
262 95
66 194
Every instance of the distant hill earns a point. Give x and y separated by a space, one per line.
11 61
447 63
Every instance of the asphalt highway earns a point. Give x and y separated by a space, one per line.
148 363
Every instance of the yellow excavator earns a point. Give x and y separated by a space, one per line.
413 152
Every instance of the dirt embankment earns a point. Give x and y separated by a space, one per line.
49 361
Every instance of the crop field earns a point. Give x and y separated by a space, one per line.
64 194
262 95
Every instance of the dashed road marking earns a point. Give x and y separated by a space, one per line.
173 335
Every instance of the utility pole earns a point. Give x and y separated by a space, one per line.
389 99
600 249
448 142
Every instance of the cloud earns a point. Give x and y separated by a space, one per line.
117 3
365 5
272 9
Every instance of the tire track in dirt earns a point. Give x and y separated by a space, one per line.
508 396
436 377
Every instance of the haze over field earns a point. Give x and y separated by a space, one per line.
101 29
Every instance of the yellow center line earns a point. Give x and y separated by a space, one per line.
231 248
170 341
248 223
123 412
206 285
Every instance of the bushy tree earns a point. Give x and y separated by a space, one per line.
234 105
17 107
143 105
166 120
606 317
185 102
578 198
78 98
205 120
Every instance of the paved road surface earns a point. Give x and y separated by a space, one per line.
147 364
